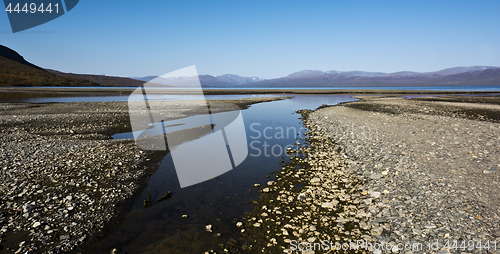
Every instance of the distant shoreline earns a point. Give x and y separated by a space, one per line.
10 92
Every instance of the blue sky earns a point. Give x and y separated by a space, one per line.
267 39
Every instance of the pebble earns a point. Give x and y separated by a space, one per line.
315 180
208 228
375 194
327 205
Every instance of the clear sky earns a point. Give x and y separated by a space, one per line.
267 39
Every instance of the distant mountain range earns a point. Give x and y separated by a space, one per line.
16 71
457 76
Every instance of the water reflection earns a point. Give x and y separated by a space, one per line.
220 201
156 97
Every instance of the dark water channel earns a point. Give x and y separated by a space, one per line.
220 202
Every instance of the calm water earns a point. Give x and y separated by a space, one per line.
222 201
153 97
437 88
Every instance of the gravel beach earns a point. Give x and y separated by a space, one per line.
64 180
387 175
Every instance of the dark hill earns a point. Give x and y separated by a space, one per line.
103 80
14 56
16 71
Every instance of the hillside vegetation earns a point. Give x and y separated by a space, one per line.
15 71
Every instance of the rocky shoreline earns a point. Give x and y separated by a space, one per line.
411 175
313 198
64 180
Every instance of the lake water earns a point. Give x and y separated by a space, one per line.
135 98
436 88
432 88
